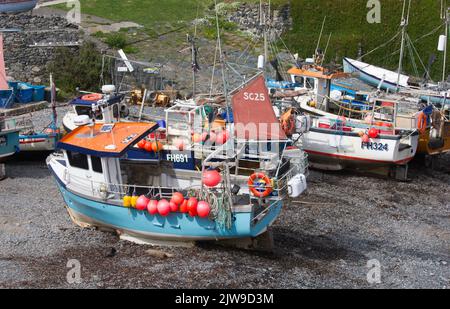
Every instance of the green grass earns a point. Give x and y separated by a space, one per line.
149 13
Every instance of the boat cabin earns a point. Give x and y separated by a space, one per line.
91 155
315 79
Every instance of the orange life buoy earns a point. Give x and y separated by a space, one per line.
261 178
422 123
92 97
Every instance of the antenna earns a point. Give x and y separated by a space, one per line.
403 25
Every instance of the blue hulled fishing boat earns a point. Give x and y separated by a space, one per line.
16 6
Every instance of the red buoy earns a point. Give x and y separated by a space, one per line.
192 206
183 207
173 207
177 198
142 203
152 207
365 138
222 137
148 147
211 178
203 209
142 143
374 133
164 208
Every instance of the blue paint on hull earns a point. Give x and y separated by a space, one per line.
18 6
176 226
9 144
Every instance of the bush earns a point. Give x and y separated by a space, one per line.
116 40
77 69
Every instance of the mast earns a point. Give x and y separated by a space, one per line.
222 60
404 26
447 25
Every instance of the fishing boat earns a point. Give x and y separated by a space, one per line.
387 80
9 138
17 6
369 136
84 106
242 174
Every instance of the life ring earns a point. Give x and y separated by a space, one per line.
422 123
260 177
92 97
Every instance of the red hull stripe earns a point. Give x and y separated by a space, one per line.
356 158
32 141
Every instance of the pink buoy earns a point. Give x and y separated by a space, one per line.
164 208
365 138
142 203
211 178
203 209
152 207
222 137
173 206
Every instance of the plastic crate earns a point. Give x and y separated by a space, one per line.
24 93
38 93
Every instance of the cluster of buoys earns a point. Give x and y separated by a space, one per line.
164 207
370 134
214 137
148 146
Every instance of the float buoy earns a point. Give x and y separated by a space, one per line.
157 147
142 203
365 138
192 206
152 207
183 207
260 185
148 147
222 137
374 133
164 208
127 201
173 206
177 198
134 199
211 178
203 209
142 144
197 138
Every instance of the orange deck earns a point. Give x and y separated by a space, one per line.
91 140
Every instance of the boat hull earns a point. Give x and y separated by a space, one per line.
175 227
16 6
9 144
37 143
336 150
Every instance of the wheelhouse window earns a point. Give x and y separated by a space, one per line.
78 160
309 83
300 80
97 164
87 110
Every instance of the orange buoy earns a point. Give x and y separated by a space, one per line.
157 146
92 97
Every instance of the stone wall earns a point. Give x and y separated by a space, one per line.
247 17
25 56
